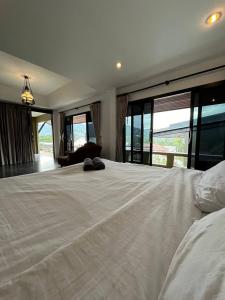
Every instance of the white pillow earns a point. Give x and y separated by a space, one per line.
197 271
210 193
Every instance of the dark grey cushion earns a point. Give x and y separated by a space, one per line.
88 165
98 163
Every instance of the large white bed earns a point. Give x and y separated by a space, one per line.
109 234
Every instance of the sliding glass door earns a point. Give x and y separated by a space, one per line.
171 130
183 130
138 131
147 133
171 137
79 129
208 134
156 134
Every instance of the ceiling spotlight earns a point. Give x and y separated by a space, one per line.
214 18
118 65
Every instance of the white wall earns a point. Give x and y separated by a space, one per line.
181 84
108 99
71 92
108 121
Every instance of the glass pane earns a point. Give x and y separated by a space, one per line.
212 134
45 140
91 129
137 134
159 160
171 137
79 130
194 136
128 138
146 133
91 132
180 161
68 134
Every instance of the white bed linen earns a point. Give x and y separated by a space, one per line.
109 234
210 192
197 271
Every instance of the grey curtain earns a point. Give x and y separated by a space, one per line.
62 142
122 104
96 118
15 134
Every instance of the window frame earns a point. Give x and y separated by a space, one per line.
195 91
70 117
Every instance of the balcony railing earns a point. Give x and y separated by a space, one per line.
170 158
168 162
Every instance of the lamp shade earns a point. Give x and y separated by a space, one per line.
26 94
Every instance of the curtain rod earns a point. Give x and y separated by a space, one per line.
167 82
78 107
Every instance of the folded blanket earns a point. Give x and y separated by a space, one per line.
98 163
88 165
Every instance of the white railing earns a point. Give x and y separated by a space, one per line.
170 157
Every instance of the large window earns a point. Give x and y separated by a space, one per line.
79 129
208 141
138 132
157 131
45 138
182 130
171 137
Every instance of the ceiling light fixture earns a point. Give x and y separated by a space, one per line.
118 65
214 18
26 94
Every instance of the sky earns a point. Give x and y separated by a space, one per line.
46 129
165 118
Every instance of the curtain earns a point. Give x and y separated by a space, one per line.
96 118
62 142
122 104
15 134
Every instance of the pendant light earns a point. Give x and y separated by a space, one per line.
27 95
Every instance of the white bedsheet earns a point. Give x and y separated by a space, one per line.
198 265
111 234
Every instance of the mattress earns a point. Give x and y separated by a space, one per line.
109 234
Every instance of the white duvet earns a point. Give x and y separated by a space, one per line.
197 271
111 234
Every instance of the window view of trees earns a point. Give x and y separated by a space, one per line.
45 139
157 131
170 137
79 131
83 130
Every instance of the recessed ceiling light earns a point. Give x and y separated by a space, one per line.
118 65
213 18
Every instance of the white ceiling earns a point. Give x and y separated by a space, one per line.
36 114
12 70
82 40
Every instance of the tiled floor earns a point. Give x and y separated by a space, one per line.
41 163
